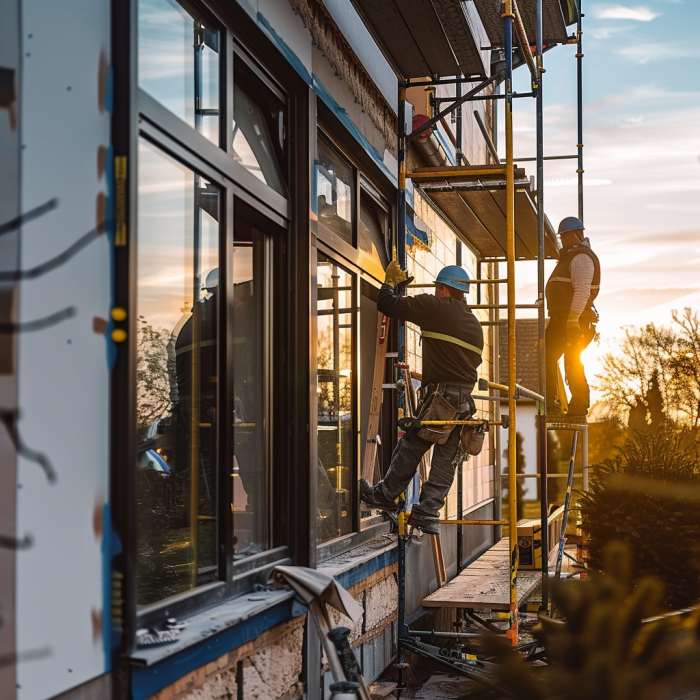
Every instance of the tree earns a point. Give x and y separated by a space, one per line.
655 375
685 367
153 390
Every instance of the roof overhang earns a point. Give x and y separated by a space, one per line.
474 202
553 22
444 38
421 38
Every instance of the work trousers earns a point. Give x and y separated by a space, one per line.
406 458
556 346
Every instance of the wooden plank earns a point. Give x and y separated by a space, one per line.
481 593
375 405
484 584
435 541
438 559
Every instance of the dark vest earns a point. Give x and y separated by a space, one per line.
560 291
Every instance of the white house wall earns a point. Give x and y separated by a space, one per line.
63 369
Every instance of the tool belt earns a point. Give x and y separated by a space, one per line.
471 441
436 407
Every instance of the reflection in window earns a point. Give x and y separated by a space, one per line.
334 190
179 64
253 145
176 377
336 446
249 494
374 232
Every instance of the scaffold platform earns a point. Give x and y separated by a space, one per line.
484 584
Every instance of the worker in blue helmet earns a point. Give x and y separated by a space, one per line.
452 345
571 290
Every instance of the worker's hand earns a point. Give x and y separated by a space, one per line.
573 329
400 289
394 274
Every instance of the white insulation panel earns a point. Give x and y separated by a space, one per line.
63 372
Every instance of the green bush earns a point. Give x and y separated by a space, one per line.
646 496
609 644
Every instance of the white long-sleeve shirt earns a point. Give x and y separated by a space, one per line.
581 270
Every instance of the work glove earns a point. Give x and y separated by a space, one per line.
394 274
573 329
400 289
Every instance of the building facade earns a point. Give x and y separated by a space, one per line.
205 205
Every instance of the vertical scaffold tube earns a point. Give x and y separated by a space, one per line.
541 424
512 377
579 89
458 123
401 258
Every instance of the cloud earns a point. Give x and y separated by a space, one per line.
638 14
643 53
566 181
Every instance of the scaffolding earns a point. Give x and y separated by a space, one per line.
501 177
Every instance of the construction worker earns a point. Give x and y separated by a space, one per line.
571 290
452 346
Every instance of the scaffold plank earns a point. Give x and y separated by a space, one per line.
484 584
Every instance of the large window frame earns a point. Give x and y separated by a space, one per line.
365 186
363 529
138 115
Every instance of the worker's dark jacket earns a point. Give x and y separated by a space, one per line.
560 290
443 361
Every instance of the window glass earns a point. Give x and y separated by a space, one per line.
373 231
176 377
336 443
249 461
258 134
334 191
179 64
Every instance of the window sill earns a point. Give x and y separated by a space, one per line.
209 625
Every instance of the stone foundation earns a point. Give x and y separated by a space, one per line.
272 664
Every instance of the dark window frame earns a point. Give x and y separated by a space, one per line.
137 114
364 529
332 245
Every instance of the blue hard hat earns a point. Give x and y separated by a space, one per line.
454 276
570 223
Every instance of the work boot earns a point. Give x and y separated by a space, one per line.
370 496
429 526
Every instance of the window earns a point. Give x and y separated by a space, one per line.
176 377
336 428
374 239
335 190
259 127
208 227
249 392
179 64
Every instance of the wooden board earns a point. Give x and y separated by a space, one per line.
375 404
483 585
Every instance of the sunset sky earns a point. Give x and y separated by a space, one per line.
641 157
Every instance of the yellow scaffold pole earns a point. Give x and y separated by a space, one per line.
508 17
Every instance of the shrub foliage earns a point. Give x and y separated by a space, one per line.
647 496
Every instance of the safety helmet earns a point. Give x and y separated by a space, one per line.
454 276
570 223
212 280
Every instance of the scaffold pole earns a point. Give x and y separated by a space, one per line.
508 16
541 325
579 92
